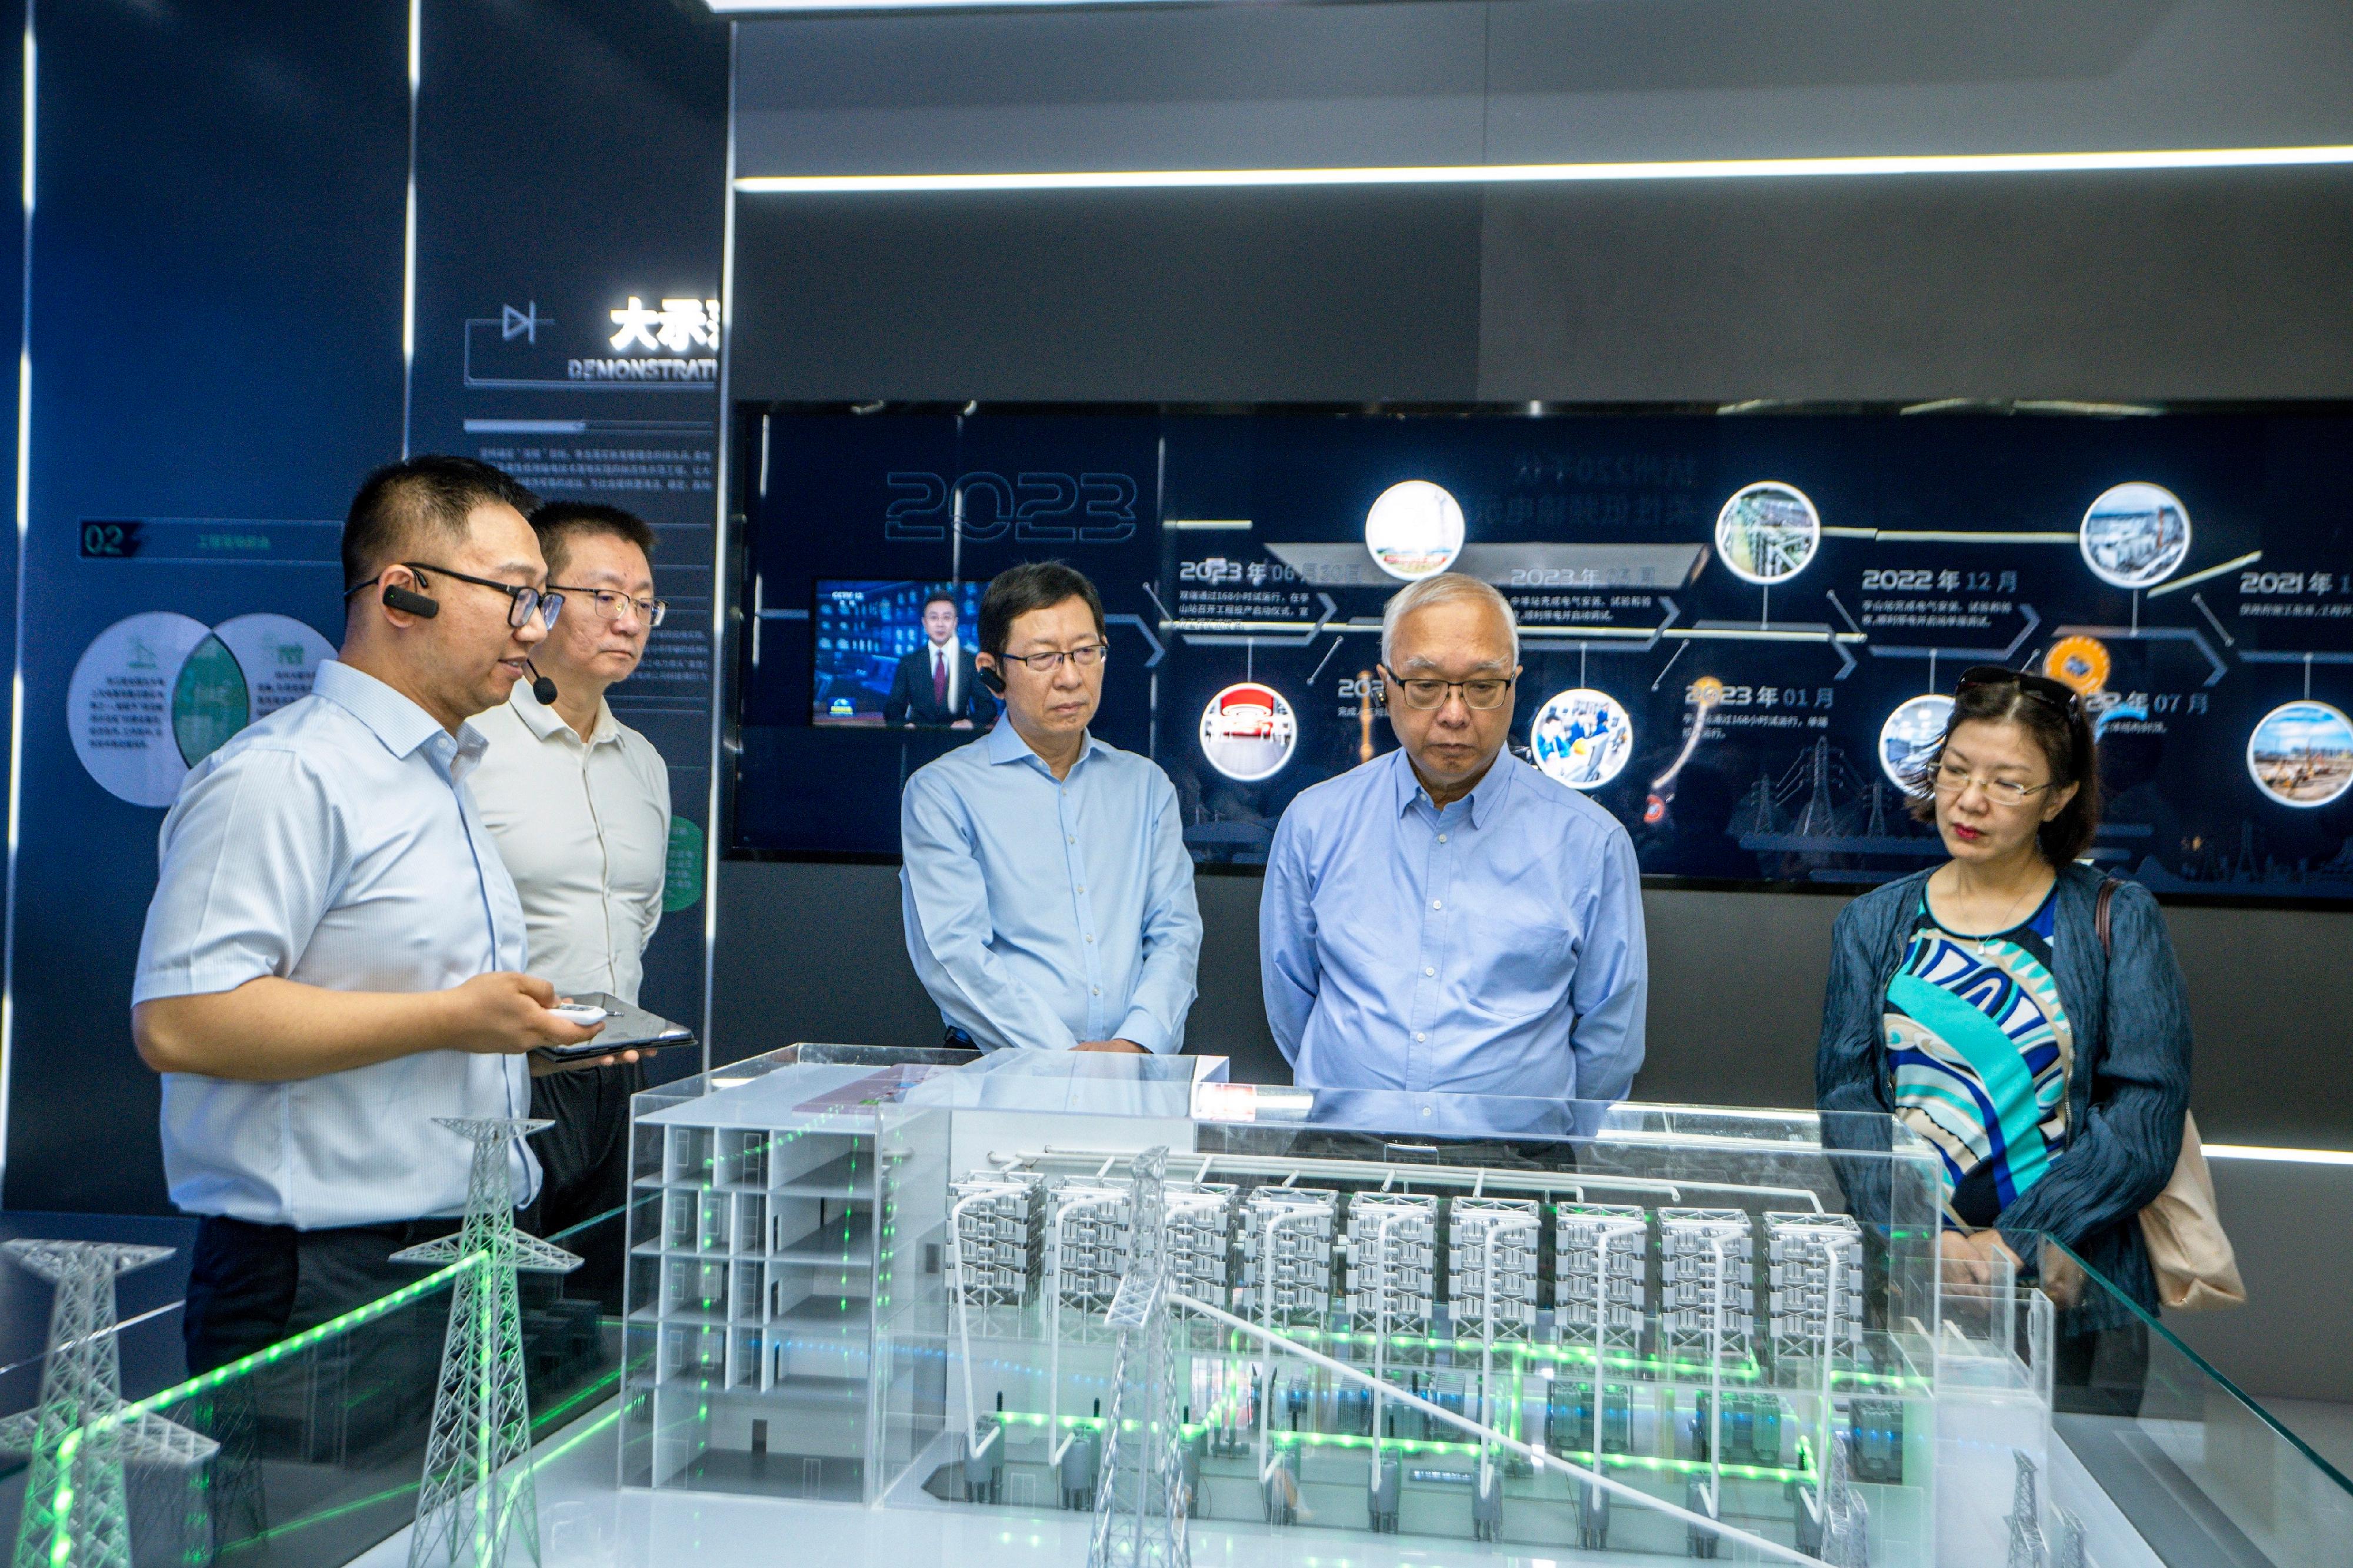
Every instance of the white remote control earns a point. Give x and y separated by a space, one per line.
579 1013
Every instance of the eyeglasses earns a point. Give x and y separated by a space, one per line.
609 603
2057 693
1953 780
1085 658
1482 694
524 600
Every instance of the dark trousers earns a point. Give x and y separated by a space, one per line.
364 1394
2103 1373
251 1286
583 1163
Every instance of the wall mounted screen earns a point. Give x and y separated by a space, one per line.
1736 630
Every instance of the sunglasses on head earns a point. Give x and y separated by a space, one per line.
2041 688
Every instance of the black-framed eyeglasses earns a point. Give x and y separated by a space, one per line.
524 601
1481 693
2057 693
609 603
1086 658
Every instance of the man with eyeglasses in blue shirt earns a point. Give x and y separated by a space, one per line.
1445 918
1046 889
333 960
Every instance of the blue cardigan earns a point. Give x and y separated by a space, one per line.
2126 1097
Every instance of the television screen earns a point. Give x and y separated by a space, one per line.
1738 632
898 654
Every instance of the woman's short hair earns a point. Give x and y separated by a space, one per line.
1445 588
2064 737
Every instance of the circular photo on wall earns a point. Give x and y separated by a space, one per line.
1248 732
1414 531
2136 535
1581 738
2078 662
1910 734
1767 532
2302 753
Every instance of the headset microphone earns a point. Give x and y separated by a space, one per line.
400 598
992 677
541 687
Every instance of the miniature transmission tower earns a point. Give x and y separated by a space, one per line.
1140 1499
77 1436
1846 1518
2027 1547
478 1482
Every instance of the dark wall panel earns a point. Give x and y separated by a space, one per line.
216 309
2211 284
1221 296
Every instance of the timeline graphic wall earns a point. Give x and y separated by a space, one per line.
1737 632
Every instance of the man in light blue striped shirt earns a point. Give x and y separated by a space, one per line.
1446 918
1046 889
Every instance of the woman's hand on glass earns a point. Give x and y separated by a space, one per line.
1975 1258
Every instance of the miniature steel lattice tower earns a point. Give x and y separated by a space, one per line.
477 1483
77 1436
1140 1500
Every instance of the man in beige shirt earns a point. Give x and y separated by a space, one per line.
578 804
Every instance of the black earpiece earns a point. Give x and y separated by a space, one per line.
992 677
541 687
399 598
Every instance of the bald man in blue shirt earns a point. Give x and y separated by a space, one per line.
1445 918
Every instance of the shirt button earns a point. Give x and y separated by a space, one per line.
1435 904
1442 838
1090 936
1426 1110
1083 889
1425 970
1098 990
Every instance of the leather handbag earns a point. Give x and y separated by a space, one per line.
2196 1269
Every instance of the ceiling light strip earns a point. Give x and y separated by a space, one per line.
2281 1156
1563 174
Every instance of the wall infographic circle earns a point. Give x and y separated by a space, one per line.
2080 663
1910 734
2134 535
2301 755
1414 529
1767 532
1248 732
1581 738
156 693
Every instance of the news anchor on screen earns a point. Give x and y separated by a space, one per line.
939 683
1446 918
1046 888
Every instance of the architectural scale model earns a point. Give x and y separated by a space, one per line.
992 1287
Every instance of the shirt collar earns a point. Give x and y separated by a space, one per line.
1480 805
1006 745
396 721
542 720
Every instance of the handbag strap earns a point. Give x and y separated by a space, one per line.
2101 918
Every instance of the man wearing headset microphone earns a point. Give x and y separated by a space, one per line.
1046 890
333 956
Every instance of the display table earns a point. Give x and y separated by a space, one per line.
899 1307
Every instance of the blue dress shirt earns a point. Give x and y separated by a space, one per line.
1042 912
334 844
1494 947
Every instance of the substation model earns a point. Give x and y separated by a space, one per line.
863 1275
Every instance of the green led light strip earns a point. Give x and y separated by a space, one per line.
61 1501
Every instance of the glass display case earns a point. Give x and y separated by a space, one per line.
1377 1330
867 1275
